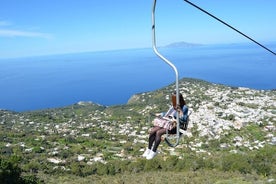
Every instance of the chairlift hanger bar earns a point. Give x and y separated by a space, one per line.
230 26
176 77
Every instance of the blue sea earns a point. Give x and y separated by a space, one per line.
112 77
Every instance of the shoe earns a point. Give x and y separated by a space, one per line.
151 155
146 153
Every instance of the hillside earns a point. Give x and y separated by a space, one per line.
227 125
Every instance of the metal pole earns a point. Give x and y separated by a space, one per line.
173 67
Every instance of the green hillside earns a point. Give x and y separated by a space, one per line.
230 139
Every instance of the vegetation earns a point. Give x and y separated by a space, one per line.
244 167
88 142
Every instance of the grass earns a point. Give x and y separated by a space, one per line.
195 177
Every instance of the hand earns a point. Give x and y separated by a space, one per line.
174 124
178 108
158 114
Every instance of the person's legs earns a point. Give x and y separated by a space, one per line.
152 136
158 136
157 141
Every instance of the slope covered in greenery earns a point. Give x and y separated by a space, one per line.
230 138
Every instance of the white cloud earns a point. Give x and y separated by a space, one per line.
5 23
7 31
19 33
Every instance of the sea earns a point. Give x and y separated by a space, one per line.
112 77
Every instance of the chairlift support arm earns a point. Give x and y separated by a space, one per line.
176 75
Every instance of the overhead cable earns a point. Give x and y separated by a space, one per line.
230 26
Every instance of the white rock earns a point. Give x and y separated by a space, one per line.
273 141
80 158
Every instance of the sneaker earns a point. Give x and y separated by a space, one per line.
151 155
146 153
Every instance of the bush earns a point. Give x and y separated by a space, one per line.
77 168
137 166
32 166
236 162
31 179
153 165
170 163
120 166
264 161
102 169
10 172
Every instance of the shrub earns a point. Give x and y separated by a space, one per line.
10 172
88 170
236 162
137 166
76 169
120 166
153 165
102 169
32 166
31 179
264 161
180 165
170 163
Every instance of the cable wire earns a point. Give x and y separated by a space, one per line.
230 26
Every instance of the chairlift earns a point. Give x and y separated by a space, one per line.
169 139
173 139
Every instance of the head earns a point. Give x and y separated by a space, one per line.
181 100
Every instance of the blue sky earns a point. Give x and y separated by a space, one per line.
45 27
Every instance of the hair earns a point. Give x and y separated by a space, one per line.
181 100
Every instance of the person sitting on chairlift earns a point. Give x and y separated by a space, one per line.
166 121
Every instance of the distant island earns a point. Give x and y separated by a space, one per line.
182 44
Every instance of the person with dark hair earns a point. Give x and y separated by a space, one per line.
163 122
